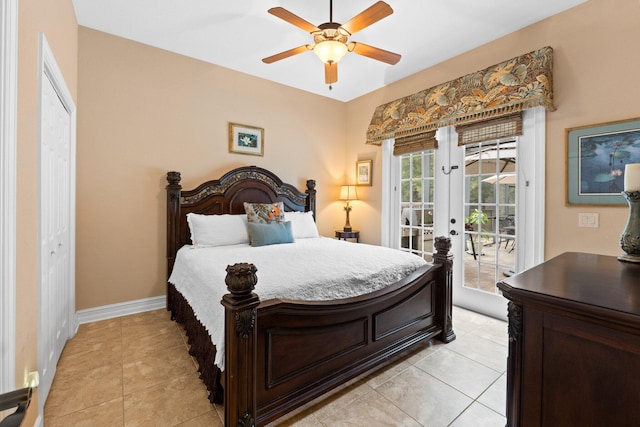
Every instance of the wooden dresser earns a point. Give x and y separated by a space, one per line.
574 343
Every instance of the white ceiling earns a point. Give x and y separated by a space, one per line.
237 34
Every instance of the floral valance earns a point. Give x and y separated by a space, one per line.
511 86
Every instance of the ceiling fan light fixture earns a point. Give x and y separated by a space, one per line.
330 51
331 39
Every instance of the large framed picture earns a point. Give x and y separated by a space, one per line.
245 139
363 172
596 159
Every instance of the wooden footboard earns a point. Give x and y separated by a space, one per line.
282 354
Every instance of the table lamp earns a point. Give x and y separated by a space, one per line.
348 193
630 238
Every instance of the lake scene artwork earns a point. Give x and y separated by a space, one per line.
603 158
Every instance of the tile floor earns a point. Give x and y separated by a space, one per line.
116 373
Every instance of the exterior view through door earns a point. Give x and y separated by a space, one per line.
489 214
487 195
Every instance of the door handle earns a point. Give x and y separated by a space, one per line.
453 232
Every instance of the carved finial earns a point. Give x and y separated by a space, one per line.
241 279
311 184
443 244
173 177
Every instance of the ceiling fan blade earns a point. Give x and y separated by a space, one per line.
330 73
284 14
374 53
367 17
286 54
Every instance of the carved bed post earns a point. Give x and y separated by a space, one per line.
240 341
311 200
445 290
173 216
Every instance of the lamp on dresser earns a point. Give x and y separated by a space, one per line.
348 193
630 237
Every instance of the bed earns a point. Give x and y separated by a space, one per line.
276 356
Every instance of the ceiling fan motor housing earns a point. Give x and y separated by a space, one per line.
330 31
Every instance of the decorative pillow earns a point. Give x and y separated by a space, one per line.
302 224
218 230
264 213
270 234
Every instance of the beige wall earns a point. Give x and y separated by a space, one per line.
596 62
58 21
142 112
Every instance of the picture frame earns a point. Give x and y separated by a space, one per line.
244 139
596 159
363 172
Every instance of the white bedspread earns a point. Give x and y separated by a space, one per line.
316 269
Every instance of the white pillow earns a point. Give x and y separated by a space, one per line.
218 230
302 224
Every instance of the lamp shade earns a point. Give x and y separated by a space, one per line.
632 177
348 192
330 51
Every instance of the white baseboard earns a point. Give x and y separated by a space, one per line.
121 309
38 421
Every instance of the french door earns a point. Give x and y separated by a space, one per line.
490 204
480 182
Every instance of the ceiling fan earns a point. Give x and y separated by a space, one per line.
331 38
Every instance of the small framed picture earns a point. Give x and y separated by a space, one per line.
363 172
596 159
245 139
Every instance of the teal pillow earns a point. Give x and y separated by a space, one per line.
270 234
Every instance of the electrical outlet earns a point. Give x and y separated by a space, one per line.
588 220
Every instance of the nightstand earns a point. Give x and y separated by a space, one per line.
344 235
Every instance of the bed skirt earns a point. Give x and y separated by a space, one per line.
200 345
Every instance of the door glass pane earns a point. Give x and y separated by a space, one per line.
489 205
472 185
416 203
405 167
416 167
405 191
428 187
416 190
488 189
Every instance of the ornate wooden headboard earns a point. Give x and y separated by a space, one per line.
226 196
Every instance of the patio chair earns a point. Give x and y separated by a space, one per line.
507 230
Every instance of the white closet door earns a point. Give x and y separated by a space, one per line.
55 223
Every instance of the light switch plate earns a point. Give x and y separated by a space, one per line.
588 220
